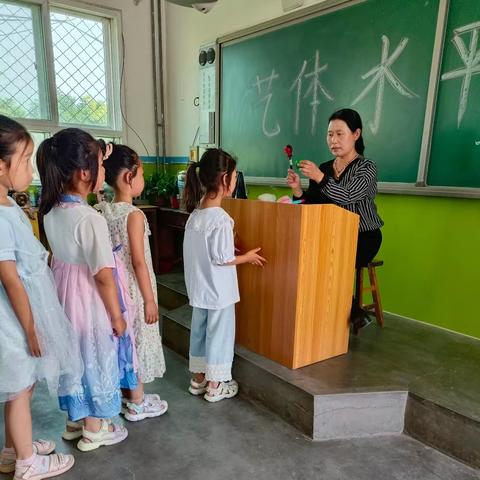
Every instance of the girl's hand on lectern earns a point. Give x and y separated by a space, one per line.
251 257
254 258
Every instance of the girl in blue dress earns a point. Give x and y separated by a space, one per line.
36 336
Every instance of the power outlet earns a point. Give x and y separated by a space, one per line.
288 5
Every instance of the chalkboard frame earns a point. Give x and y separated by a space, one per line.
420 187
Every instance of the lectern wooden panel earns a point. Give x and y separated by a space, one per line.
295 309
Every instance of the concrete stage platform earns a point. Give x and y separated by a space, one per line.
405 378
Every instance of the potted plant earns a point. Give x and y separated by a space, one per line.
160 187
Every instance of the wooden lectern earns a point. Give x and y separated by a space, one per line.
296 309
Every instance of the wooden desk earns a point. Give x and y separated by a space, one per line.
295 309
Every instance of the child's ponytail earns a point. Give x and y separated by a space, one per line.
59 157
214 165
50 175
193 188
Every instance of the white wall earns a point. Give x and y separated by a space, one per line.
138 78
186 30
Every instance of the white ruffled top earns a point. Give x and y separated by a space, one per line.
207 248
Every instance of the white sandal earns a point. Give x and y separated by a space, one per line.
58 463
224 390
148 397
103 437
73 434
147 409
196 388
8 458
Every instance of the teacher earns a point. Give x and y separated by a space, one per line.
349 181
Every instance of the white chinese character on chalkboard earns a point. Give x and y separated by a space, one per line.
267 99
314 89
381 73
471 59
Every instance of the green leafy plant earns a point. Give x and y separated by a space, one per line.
160 186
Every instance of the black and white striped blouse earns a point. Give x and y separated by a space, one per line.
355 191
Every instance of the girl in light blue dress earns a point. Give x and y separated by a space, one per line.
36 336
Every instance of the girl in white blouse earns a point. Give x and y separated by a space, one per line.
211 275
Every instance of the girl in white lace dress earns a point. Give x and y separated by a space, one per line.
129 227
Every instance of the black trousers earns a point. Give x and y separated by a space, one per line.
367 247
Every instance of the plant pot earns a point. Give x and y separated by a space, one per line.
174 202
162 202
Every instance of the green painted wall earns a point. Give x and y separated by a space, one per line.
432 260
431 250
174 168
148 169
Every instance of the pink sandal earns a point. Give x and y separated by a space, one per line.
45 467
8 456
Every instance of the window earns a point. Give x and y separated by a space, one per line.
79 47
61 72
23 89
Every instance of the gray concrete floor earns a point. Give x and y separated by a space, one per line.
235 439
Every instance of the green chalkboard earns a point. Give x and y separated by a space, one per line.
270 95
455 153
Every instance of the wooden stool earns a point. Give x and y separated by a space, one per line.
360 289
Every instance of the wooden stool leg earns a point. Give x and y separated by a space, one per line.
372 274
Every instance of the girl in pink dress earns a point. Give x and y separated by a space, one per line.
71 166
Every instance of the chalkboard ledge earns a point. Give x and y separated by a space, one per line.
386 187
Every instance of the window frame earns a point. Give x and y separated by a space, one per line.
113 46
